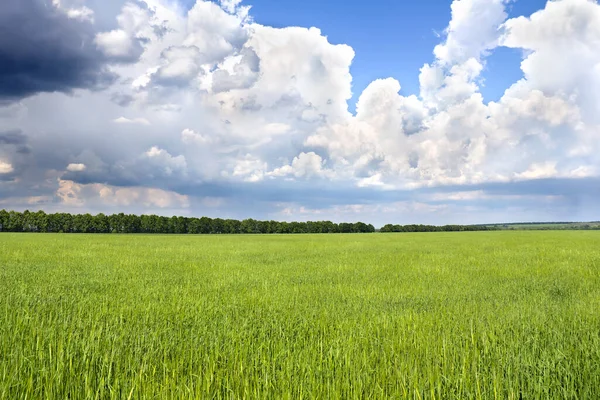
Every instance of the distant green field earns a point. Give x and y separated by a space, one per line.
433 315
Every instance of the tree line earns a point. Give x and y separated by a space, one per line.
39 221
434 228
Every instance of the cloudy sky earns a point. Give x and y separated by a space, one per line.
464 111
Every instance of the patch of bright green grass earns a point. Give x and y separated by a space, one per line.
434 315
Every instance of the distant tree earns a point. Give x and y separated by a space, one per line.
177 225
205 225
233 226
4 220
272 227
41 221
217 226
248 226
283 227
15 222
262 227
193 226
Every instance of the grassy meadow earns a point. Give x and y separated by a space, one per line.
434 315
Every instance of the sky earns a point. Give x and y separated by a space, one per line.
434 112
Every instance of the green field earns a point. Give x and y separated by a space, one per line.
433 315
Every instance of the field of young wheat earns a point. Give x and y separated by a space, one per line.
433 315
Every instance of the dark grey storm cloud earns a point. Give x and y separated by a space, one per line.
122 99
42 50
15 138
15 147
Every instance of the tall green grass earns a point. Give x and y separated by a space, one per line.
435 315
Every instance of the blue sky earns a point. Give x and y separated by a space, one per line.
146 106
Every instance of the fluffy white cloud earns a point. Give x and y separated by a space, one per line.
74 9
76 167
249 168
305 165
5 168
537 171
123 120
216 33
188 136
116 43
181 64
126 43
562 43
82 13
78 195
230 5
236 72
166 161
473 30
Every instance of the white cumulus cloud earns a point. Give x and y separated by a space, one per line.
76 167
5 168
